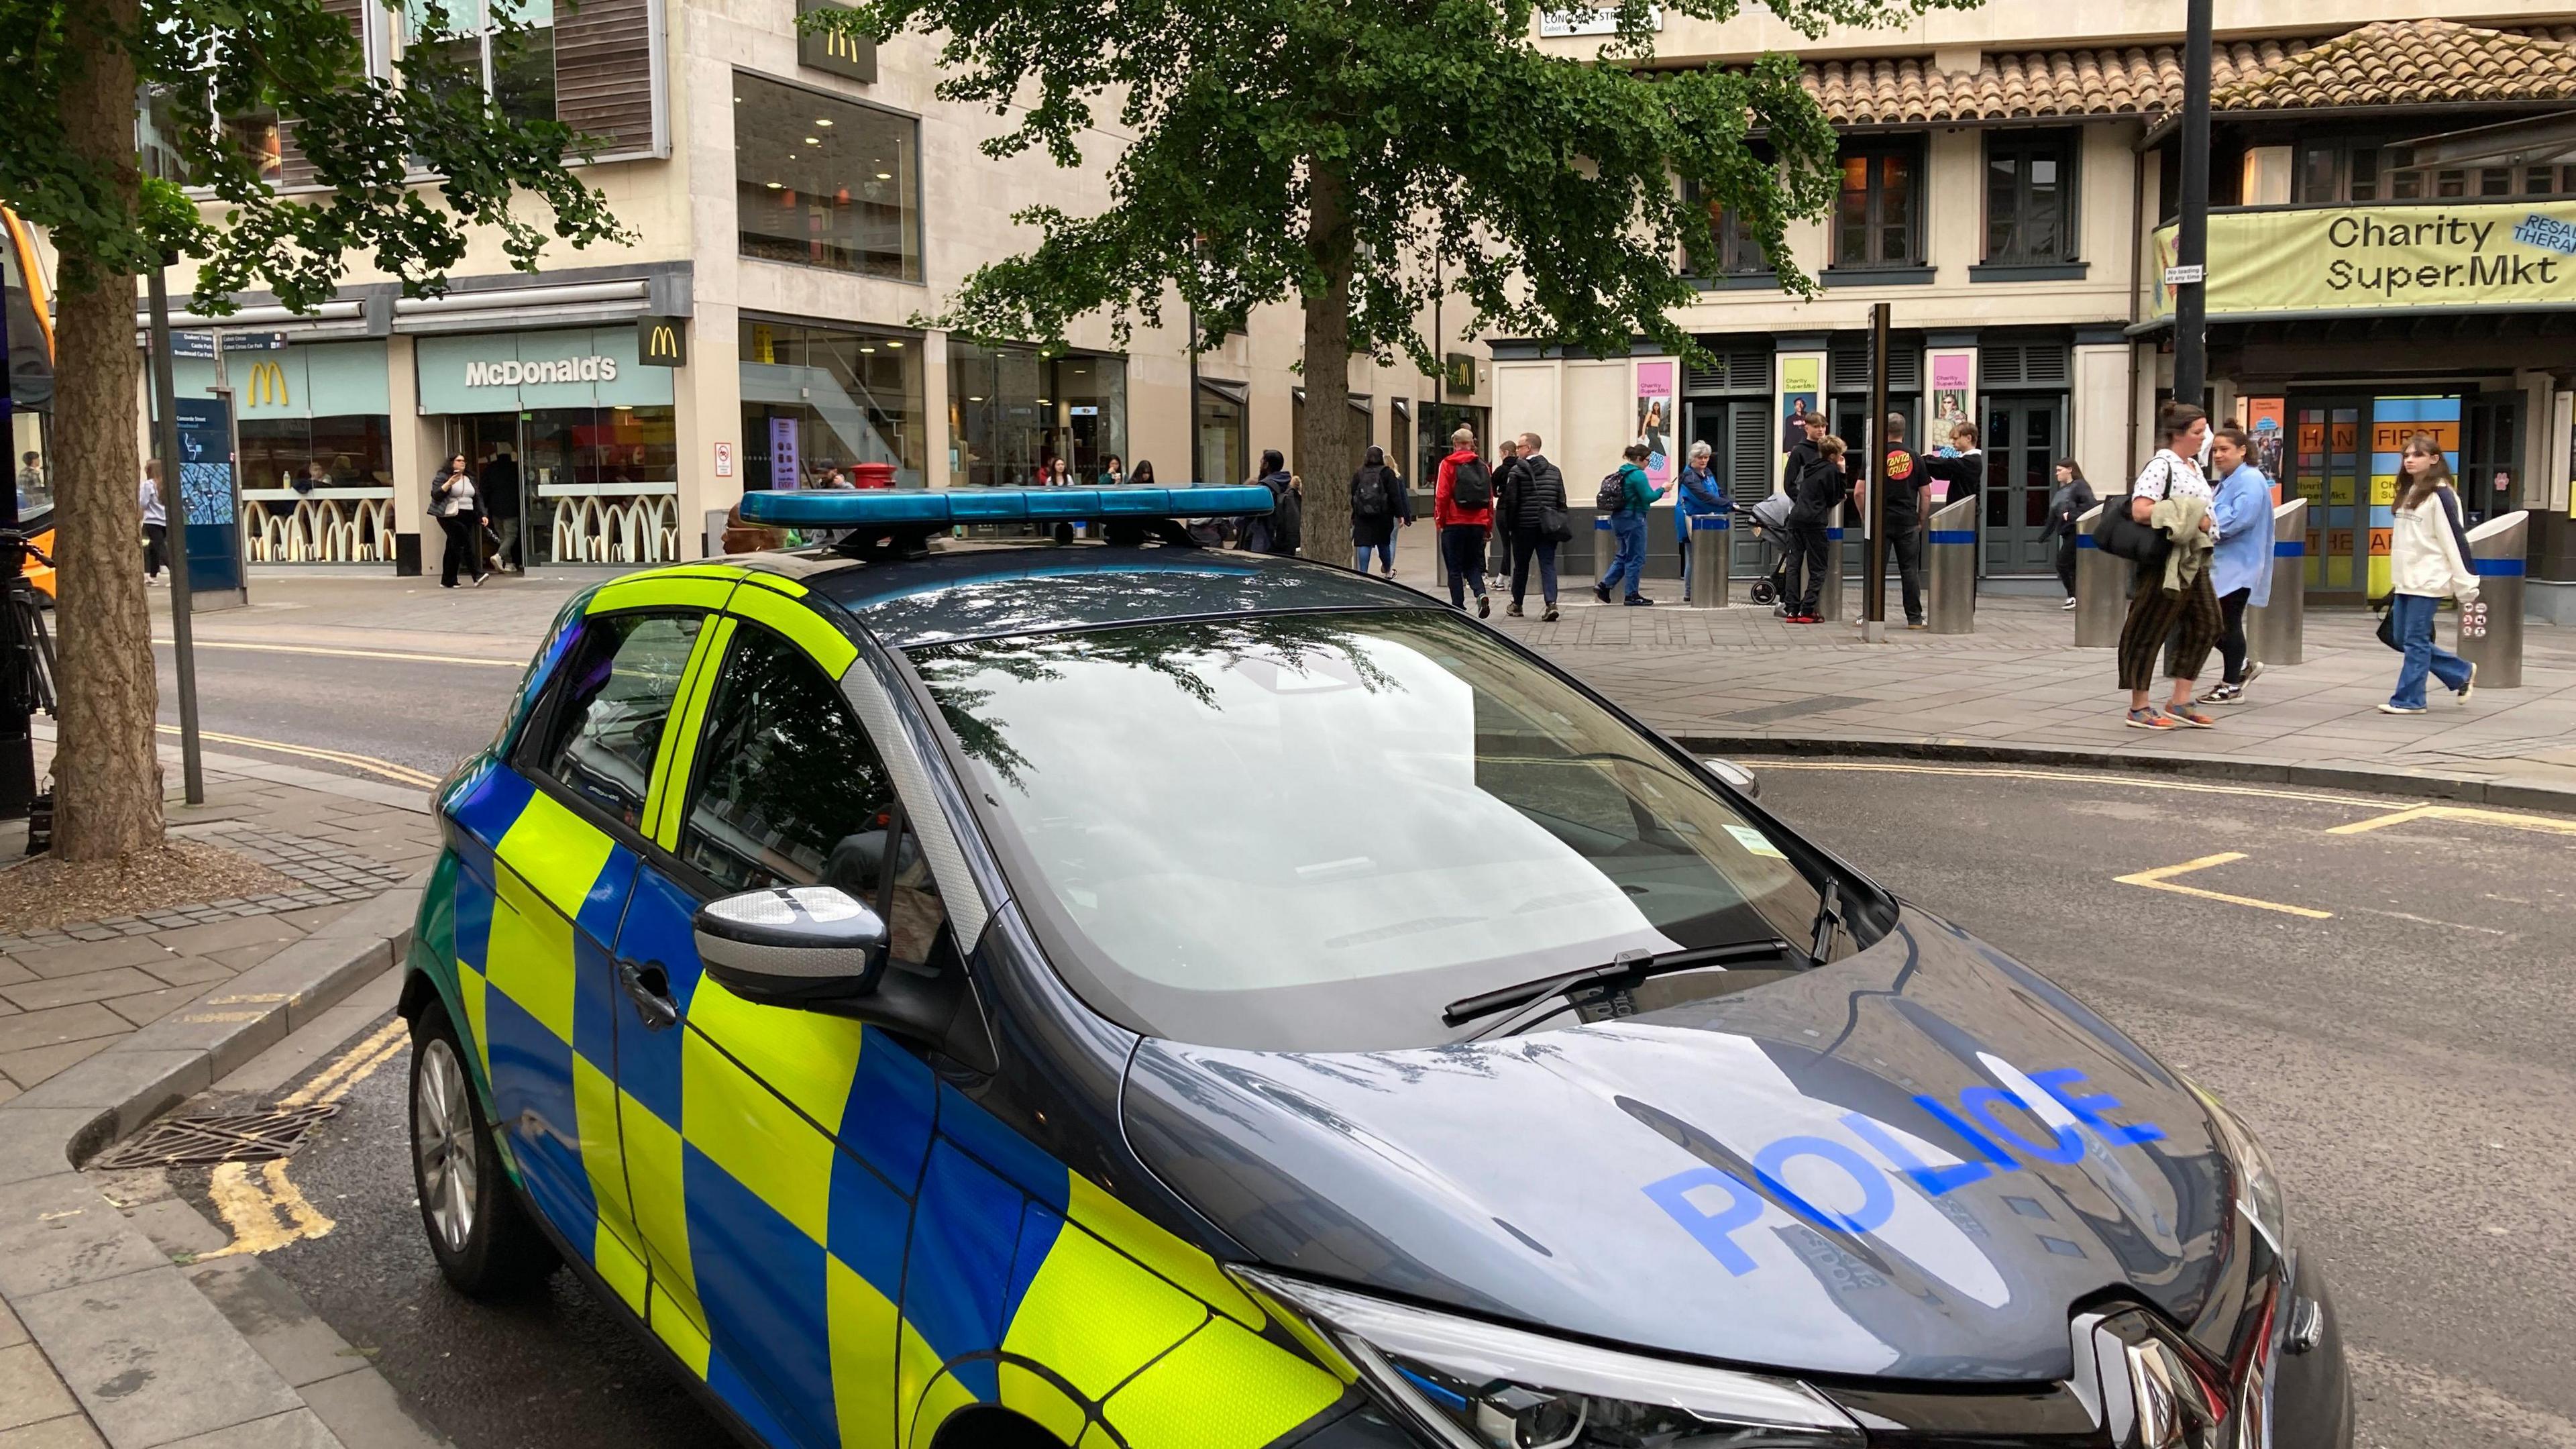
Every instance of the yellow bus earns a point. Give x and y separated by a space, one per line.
27 401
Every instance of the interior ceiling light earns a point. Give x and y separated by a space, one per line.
974 399
774 185
822 120
894 344
813 140
885 176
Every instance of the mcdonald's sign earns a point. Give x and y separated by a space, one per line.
662 341
267 387
834 51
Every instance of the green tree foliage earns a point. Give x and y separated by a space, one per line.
1359 156
70 167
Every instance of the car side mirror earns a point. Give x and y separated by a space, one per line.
791 945
1736 776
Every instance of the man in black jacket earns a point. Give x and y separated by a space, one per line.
1813 492
1905 484
1507 471
1525 516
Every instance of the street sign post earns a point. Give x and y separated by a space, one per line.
174 510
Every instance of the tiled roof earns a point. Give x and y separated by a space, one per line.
2410 63
2403 62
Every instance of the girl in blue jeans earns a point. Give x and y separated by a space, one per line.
1628 527
2425 565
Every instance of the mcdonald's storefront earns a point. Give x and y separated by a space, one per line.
316 433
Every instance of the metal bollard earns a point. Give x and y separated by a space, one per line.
1710 533
2277 632
2102 584
1950 568
1829 600
2491 628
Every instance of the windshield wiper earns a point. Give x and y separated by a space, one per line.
1631 968
1829 914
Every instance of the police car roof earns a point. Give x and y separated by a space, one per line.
976 590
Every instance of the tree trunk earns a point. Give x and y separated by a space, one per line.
1324 435
107 777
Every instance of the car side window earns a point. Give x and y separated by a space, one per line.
791 792
614 700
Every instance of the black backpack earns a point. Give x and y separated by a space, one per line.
1613 497
1368 494
1470 485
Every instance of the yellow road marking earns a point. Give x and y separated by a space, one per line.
2141 782
358 653
2161 879
264 1214
334 1081
399 774
2538 824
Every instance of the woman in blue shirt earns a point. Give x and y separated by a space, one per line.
1702 496
2241 564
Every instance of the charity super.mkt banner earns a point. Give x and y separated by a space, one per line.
2360 258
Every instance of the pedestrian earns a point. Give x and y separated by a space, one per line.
1906 481
1626 495
1378 505
1143 477
456 504
1962 464
1812 499
1702 496
1113 472
500 498
156 528
2427 560
1462 507
1059 472
1498 553
2066 509
2173 604
1535 519
33 494
1281 529
2241 556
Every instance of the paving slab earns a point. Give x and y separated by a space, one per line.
151 1361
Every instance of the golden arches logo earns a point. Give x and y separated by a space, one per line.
841 45
662 341
267 386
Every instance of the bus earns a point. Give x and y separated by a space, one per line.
27 402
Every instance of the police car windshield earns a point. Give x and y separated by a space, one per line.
1311 831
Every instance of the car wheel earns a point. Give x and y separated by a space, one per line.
478 1229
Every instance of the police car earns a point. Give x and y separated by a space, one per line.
1120 993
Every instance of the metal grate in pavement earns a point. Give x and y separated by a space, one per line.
205 1141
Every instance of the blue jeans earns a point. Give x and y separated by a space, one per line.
1629 529
1681 534
1462 550
2412 615
1385 552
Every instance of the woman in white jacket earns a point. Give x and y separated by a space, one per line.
2425 566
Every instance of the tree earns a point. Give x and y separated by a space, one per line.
1358 155
70 166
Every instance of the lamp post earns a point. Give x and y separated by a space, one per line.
174 512
2191 238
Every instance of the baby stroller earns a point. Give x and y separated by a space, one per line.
1769 521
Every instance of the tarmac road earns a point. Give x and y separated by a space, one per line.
2388 1008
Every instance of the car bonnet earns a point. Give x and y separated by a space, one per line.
1911 1164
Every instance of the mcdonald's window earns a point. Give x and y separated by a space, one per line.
504 48
817 400
302 454
824 182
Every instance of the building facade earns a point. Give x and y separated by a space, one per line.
2009 175
798 209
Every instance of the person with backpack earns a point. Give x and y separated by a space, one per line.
1378 502
1498 551
1623 498
1533 516
1462 506
1812 500
1281 529
2066 509
2183 620
1702 496
2428 557
2242 559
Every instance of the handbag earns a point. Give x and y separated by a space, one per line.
1553 524
2387 624
2121 536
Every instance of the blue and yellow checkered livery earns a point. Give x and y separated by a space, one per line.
845 1249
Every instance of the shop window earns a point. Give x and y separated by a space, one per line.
1225 434
1013 413
2368 171
825 182
1878 216
303 454
1439 421
2030 198
815 400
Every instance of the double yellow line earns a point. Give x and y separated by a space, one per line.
399 774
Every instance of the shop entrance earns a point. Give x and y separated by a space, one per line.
493 447
2023 436
2324 464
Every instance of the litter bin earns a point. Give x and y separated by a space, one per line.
2491 628
2278 630
2102 584
1950 568
1709 536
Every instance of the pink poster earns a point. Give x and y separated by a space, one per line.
1655 419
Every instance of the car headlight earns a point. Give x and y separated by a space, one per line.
1476 1385
2258 1187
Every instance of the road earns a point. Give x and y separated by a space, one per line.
2387 1007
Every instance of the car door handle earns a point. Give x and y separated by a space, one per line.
649 987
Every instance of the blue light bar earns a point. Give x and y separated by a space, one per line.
942 508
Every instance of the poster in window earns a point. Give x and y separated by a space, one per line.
1655 419
783 462
1801 383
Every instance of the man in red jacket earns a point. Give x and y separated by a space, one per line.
1462 505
